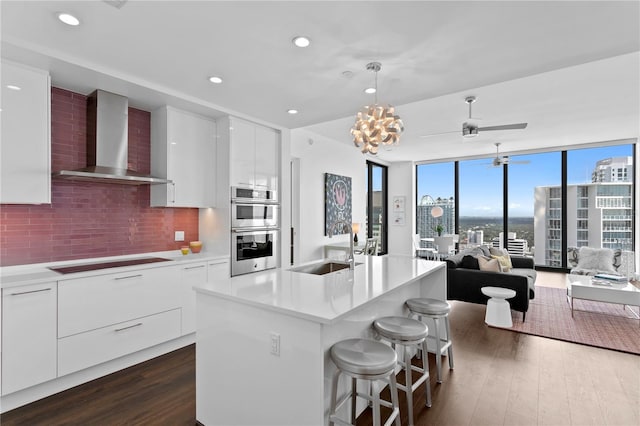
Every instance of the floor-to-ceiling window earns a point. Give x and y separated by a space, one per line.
481 203
600 197
535 207
435 185
377 204
547 201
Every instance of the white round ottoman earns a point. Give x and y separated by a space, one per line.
498 309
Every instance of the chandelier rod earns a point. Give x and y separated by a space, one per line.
376 92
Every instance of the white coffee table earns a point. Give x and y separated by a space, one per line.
585 287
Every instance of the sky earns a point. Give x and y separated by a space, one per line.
481 184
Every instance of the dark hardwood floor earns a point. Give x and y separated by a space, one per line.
500 378
160 391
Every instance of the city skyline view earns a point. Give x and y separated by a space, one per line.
481 184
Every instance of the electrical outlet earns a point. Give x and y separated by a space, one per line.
179 236
275 344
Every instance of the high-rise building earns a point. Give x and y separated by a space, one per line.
475 237
426 225
615 169
599 214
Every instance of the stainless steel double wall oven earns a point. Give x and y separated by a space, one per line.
254 230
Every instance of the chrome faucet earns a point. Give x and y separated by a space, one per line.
345 224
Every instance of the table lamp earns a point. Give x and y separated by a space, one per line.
355 227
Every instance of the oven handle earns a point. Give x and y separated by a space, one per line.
254 201
243 230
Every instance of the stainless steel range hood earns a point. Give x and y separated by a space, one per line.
107 144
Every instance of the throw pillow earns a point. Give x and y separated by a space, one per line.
502 255
485 250
470 262
489 265
457 258
572 256
596 259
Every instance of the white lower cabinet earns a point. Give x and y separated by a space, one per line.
103 317
53 329
217 270
89 303
190 275
104 344
28 336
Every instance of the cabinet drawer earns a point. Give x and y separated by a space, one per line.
104 344
89 303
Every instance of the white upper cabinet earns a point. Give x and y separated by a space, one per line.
183 149
25 148
254 155
266 160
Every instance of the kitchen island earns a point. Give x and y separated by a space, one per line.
262 339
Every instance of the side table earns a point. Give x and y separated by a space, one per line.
498 309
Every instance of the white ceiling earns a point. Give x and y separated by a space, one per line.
569 69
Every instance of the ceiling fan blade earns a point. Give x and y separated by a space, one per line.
438 134
504 127
520 162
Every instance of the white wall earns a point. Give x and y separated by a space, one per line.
401 183
324 156
636 208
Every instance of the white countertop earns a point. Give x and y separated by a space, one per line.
322 298
13 276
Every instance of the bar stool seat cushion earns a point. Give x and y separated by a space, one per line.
363 356
429 306
401 328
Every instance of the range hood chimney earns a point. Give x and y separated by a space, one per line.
107 144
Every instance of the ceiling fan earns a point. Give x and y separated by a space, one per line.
471 129
504 159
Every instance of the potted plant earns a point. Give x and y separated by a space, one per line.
439 228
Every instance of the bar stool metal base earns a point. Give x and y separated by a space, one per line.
408 332
364 359
436 310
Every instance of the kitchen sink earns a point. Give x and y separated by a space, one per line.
323 267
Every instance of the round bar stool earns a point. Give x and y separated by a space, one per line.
364 359
436 310
408 332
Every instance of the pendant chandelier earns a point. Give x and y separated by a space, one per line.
377 124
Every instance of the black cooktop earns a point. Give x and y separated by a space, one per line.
104 265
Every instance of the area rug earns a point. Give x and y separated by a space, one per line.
598 324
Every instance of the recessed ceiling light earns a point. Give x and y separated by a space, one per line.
216 80
370 90
68 19
12 87
292 111
301 41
